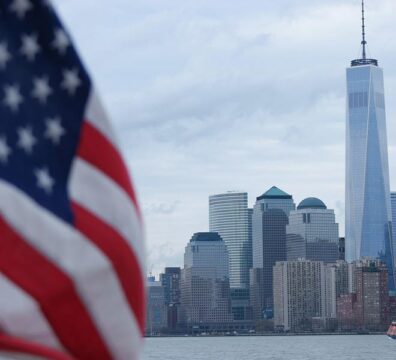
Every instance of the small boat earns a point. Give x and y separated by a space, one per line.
392 331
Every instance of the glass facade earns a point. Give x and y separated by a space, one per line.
368 211
270 217
230 217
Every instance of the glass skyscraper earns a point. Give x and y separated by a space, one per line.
230 217
270 218
368 210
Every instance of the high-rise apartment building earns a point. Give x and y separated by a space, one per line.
372 295
368 210
205 287
299 294
312 232
270 217
230 217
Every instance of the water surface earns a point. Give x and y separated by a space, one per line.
351 347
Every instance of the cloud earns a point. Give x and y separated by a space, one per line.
209 96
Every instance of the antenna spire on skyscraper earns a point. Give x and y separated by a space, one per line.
364 42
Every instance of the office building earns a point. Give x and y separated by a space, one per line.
270 217
393 206
230 217
368 209
312 232
156 311
205 287
170 281
299 294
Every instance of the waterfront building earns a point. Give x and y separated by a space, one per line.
205 287
367 203
346 308
230 217
156 310
299 294
393 206
312 232
337 284
170 281
372 295
270 217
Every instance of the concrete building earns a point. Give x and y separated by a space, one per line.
230 217
156 310
205 287
337 284
367 203
270 217
299 294
312 233
346 309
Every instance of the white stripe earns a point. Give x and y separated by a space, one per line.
21 316
90 270
113 206
18 356
96 115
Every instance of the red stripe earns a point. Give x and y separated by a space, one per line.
117 249
19 346
54 291
100 152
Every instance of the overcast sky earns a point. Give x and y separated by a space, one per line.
215 95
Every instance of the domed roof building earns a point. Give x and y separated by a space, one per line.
311 203
312 233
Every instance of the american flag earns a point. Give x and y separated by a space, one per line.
71 251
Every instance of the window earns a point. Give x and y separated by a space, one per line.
358 99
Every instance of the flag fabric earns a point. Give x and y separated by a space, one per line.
71 243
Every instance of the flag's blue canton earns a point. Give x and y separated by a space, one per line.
43 93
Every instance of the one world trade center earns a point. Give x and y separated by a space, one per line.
368 214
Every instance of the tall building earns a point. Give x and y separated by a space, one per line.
372 295
368 210
299 294
393 206
337 284
230 217
270 217
170 281
156 312
312 232
205 287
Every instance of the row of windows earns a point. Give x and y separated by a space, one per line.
360 99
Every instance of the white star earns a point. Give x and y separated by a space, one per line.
26 139
21 7
54 130
41 89
30 47
44 180
5 56
71 81
13 97
61 41
5 151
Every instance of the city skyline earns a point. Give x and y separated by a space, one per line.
234 102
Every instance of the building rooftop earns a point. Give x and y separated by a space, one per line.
311 203
206 236
275 193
